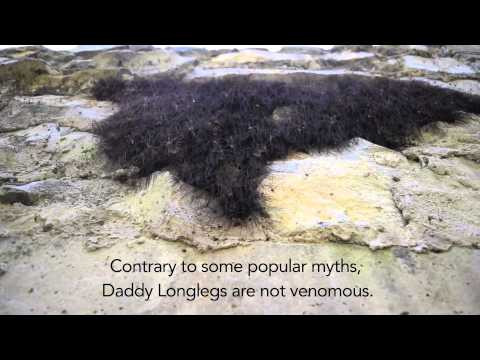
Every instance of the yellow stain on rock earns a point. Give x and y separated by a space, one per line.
326 195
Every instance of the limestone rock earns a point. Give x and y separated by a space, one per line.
51 57
77 65
3 232
259 58
23 112
78 82
12 194
467 86
3 269
438 217
64 211
22 73
347 55
140 62
94 48
466 50
6 178
49 137
312 50
50 151
267 73
399 281
449 141
448 65
388 51
31 193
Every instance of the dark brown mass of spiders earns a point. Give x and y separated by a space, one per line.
219 135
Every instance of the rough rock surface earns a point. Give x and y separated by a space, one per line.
412 218
446 65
